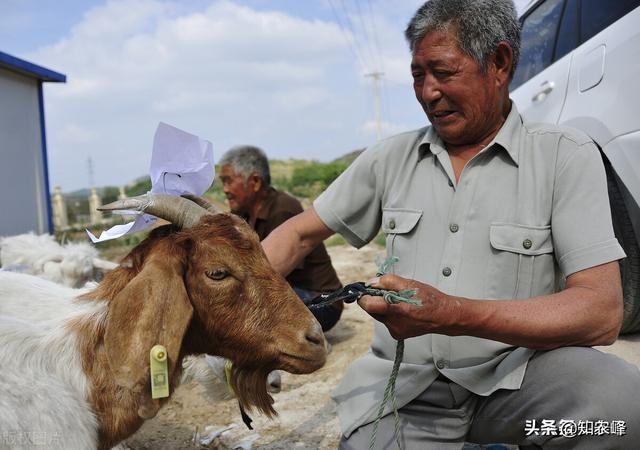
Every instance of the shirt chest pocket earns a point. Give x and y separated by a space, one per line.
521 263
400 227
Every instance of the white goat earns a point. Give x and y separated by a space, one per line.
73 264
74 364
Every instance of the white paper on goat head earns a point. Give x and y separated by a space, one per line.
181 163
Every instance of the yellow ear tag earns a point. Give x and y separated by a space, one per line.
159 372
227 374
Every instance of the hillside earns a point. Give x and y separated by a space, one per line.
304 179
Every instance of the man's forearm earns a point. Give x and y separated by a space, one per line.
574 317
284 248
287 245
588 312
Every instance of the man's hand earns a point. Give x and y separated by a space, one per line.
436 315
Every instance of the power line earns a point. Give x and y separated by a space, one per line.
375 34
379 87
367 40
349 23
375 55
350 42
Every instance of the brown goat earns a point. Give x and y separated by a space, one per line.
207 288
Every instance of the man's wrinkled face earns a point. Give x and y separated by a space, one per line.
239 193
462 103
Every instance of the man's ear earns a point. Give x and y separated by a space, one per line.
255 182
502 62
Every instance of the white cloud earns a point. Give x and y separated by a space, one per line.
227 72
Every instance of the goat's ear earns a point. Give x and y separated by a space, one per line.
153 308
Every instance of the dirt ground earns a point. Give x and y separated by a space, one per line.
306 414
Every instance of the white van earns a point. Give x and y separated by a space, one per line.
580 66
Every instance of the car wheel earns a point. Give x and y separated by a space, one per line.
629 266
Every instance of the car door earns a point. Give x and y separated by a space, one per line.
549 33
602 96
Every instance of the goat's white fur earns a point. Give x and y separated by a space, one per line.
50 309
40 364
72 264
41 368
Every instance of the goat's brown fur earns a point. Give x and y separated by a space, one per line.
161 294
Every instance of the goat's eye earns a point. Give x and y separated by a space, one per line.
218 274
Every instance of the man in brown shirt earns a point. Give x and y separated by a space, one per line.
246 181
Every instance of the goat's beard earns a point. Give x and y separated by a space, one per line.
250 386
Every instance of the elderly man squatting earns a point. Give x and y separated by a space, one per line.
483 211
246 182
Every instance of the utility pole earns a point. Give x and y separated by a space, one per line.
377 76
90 171
95 201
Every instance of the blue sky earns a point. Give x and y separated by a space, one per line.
286 75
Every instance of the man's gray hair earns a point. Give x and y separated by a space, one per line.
246 159
479 26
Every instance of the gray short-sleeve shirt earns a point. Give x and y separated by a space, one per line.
530 208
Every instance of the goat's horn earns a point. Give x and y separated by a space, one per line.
213 209
177 210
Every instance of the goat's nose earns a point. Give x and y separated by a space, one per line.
314 334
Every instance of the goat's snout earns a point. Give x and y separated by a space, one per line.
314 335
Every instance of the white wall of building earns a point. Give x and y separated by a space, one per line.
23 202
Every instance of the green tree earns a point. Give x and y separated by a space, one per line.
310 180
140 186
109 194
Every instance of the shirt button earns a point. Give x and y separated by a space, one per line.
450 183
527 243
454 227
441 364
392 224
446 271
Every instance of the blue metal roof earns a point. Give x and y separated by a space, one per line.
29 69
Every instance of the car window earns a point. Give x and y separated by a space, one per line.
538 38
596 15
568 36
